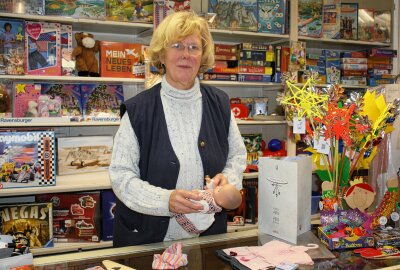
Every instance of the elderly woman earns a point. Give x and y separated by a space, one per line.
171 137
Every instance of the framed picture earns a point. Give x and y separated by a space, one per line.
84 154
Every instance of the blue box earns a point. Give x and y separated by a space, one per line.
315 203
107 210
345 242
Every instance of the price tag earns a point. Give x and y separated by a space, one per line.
299 125
322 146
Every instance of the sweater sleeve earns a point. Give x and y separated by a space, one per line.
237 155
124 172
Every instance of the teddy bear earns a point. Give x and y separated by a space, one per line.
85 54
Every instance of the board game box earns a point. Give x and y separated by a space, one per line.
93 9
101 102
234 15
108 211
349 21
331 19
83 154
76 217
121 60
310 18
29 224
129 11
27 159
33 7
271 16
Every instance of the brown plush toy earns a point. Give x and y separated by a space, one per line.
85 55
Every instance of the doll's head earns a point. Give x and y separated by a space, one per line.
227 196
360 195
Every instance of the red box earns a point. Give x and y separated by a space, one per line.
121 60
76 217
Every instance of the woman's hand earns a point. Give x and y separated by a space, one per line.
220 180
180 202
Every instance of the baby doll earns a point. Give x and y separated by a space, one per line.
213 200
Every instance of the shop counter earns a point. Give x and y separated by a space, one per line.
201 254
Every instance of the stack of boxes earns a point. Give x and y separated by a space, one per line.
380 66
256 62
225 63
354 68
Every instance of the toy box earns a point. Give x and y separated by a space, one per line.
345 242
70 95
271 16
12 40
383 25
93 9
26 100
108 211
331 19
234 15
76 217
29 224
83 154
349 21
366 24
284 196
28 159
42 45
67 63
121 60
129 11
310 18
33 7
162 8
101 102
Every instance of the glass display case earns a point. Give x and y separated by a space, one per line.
201 254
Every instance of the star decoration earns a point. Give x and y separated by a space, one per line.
20 88
339 123
19 37
304 100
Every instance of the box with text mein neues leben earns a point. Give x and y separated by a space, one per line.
121 60
284 196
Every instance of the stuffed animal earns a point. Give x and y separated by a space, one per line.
85 55
5 100
32 109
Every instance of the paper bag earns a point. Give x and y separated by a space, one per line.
284 196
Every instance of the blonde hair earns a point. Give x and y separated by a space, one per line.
176 27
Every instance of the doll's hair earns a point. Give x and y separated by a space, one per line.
360 185
176 27
7 24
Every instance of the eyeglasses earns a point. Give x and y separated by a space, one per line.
193 49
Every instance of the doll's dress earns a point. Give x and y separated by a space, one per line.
198 222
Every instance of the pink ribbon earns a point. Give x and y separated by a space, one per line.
172 258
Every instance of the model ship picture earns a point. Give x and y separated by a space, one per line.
84 154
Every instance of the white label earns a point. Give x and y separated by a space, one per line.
395 216
382 221
299 125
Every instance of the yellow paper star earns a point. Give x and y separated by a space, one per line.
20 88
19 37
305 101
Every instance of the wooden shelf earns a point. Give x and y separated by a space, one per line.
72 79
261 122
66 183
55 122
342 85
269 85
251 175
71 247
244 36
345 42
86 24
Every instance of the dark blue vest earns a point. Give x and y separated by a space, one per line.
159 165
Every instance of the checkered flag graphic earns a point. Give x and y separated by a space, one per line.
46 158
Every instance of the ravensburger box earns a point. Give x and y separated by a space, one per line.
284 196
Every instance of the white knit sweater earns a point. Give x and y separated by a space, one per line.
183 111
